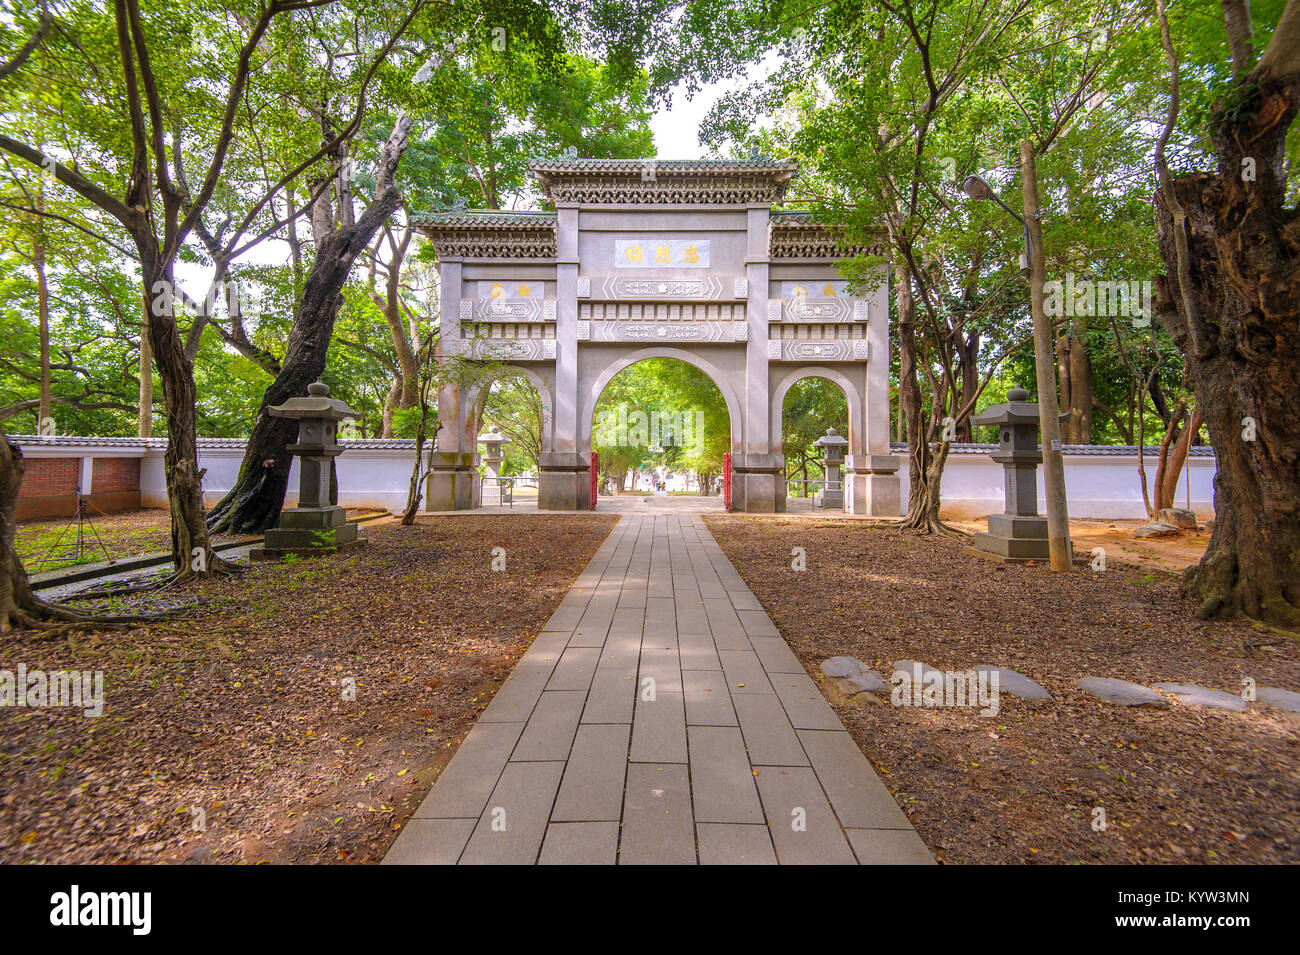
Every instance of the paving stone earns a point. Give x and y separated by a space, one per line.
623 652
726 844
707 701
1121 692
776 655
514 701
430 842
1017 684
744 672
612 695
889 847
525 793
757 623
659 730
549 733
663 667
724 624
820 841
463 787
658 826
1191 694
1282 699
837 667
769 737
857 795
804 702
580 843
722 781
592 787
575 669
743 599
697 652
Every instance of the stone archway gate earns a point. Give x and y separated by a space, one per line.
659 258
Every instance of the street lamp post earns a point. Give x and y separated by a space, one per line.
1049 422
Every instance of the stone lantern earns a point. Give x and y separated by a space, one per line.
833 446
492 442
1019 534
315 526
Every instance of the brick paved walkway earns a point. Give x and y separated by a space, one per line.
735 757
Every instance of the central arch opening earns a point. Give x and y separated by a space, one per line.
812 406
660 428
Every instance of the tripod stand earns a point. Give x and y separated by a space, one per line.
77 549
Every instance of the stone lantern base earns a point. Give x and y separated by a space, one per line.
1011 539
309 532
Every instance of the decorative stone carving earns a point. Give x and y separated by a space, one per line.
494 235
584 288
805 309
663 311
584 331
508 309
741 289
503 349
773 309
861 310
711 182
794 235
615 331
814 349
706 288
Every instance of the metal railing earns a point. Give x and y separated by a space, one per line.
810 492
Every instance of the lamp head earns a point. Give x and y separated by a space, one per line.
976 188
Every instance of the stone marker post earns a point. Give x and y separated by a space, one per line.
315 526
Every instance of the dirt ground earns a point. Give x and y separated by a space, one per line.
1171 554
232 720
1185 784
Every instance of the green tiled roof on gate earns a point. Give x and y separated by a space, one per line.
487 218
760 164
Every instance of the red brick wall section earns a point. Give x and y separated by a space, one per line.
46 477
115 474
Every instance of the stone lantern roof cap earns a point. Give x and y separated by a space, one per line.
831 438
493 436
1018 409
316 404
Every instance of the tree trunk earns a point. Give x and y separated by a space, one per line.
191 553
922 501
42 312
1231 303
254 502
144 417
968 366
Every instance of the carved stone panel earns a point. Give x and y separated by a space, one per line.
504 349
616 331
814 349
508 309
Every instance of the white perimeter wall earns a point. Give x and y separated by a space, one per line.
377 474
1096 485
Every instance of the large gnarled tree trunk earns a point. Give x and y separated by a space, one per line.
1231 303
258 494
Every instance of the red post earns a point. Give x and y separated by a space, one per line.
726 480
595 477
